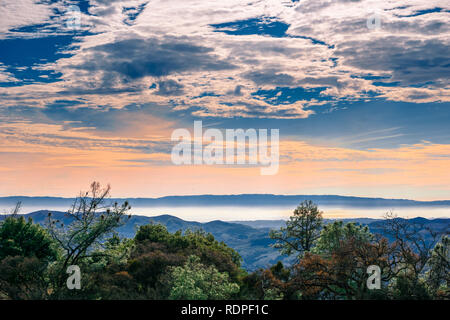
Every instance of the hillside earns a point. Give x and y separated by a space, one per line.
253 244
249 238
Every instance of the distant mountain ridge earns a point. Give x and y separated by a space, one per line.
237 200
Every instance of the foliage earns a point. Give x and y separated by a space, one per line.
438 275
26 249
266 284
342 273
422 267
301 231
196 242
334 235
23 278
104 275
93 220
195 281
19 237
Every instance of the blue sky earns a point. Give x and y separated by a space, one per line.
127 73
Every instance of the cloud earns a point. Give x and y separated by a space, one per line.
259 46
270 76
287 60
22 13
152 57
170 88
411 62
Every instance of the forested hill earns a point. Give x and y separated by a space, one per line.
249 238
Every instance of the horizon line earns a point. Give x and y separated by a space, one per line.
238 194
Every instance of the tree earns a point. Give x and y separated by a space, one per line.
153 233
266 284
195 281
23 278
407 287
19 237
26 250
415 245
438 275
198 242
148 267
105 274
336 268
94 219
337 234
414 242
301 231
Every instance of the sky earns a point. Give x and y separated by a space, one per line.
93 89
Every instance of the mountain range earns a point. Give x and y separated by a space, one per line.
236 200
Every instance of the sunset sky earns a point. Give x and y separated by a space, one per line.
361 111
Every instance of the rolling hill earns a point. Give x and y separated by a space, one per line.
249 238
